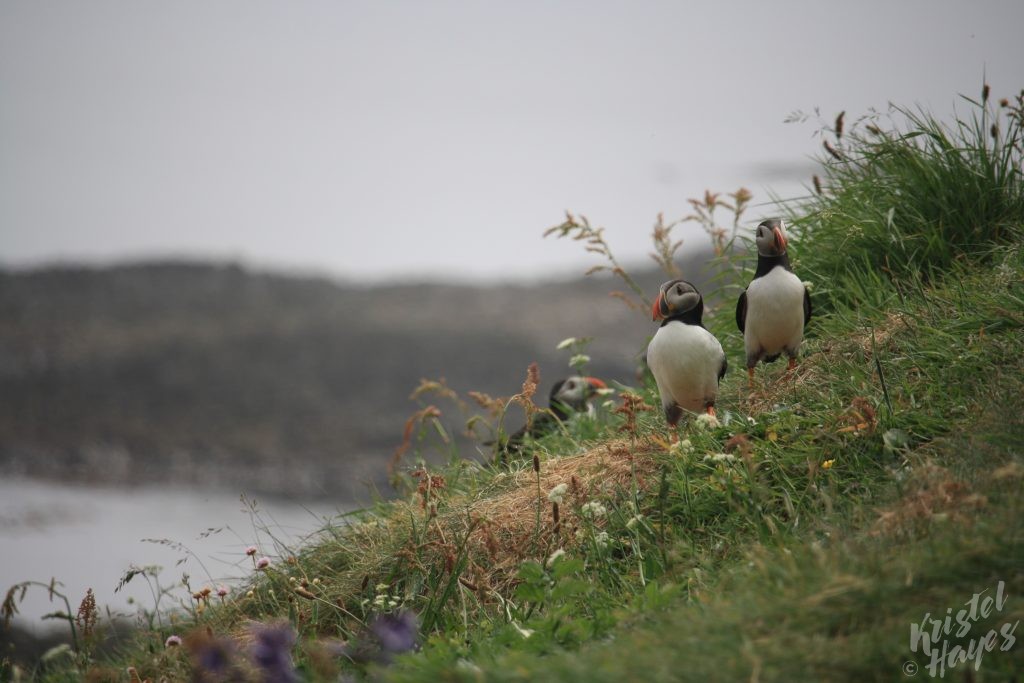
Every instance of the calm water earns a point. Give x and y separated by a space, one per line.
88 538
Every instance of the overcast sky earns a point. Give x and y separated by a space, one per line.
382 139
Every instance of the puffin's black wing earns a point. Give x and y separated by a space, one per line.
542 425
807 307
722 370
741 311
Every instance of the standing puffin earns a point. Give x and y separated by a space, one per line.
567 396
774 309
686 360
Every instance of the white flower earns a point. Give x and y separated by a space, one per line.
566 343
683 447
633 521
578 360
554 557
556 494
808 284
601 539
593 510
719 457
706 421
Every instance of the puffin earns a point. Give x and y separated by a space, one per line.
774 309
687 361
567 397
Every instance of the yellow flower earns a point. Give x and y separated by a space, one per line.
827 465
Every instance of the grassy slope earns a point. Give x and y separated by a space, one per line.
833 596
846 510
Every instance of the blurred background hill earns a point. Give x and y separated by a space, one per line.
216 376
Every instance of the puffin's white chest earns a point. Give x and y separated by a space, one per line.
775 312
685 360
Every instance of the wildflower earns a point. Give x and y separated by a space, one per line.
601 539
683 447
250 551
396 633
827 465
719 457
566 343
706 421
633 521
579 360
249 594
316 581
222 591
593 510
808 285
172 641
263 563
556 494
271 652
554 557
213 657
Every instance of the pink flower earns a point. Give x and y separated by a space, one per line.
172 641
222 590
250 551
263 563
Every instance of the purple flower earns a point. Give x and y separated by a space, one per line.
250 551
396 632
263 563
172 641
213 658
271 652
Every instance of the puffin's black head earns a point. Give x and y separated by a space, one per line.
771 237
676 297
574 392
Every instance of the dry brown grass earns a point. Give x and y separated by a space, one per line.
498 532
935 495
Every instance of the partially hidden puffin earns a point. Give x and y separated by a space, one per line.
686 360
567 396
774 309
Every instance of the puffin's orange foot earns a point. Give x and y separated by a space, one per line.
711 411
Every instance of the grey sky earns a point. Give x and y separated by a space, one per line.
371 139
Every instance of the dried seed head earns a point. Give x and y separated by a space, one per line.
839 125
1004 102
984 93
994 131
832 151
536 463
817 183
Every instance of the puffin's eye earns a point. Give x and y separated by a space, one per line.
570 385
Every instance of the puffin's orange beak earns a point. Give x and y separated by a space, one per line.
656 308
780 239
596 383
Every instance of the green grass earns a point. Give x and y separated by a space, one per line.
798 540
